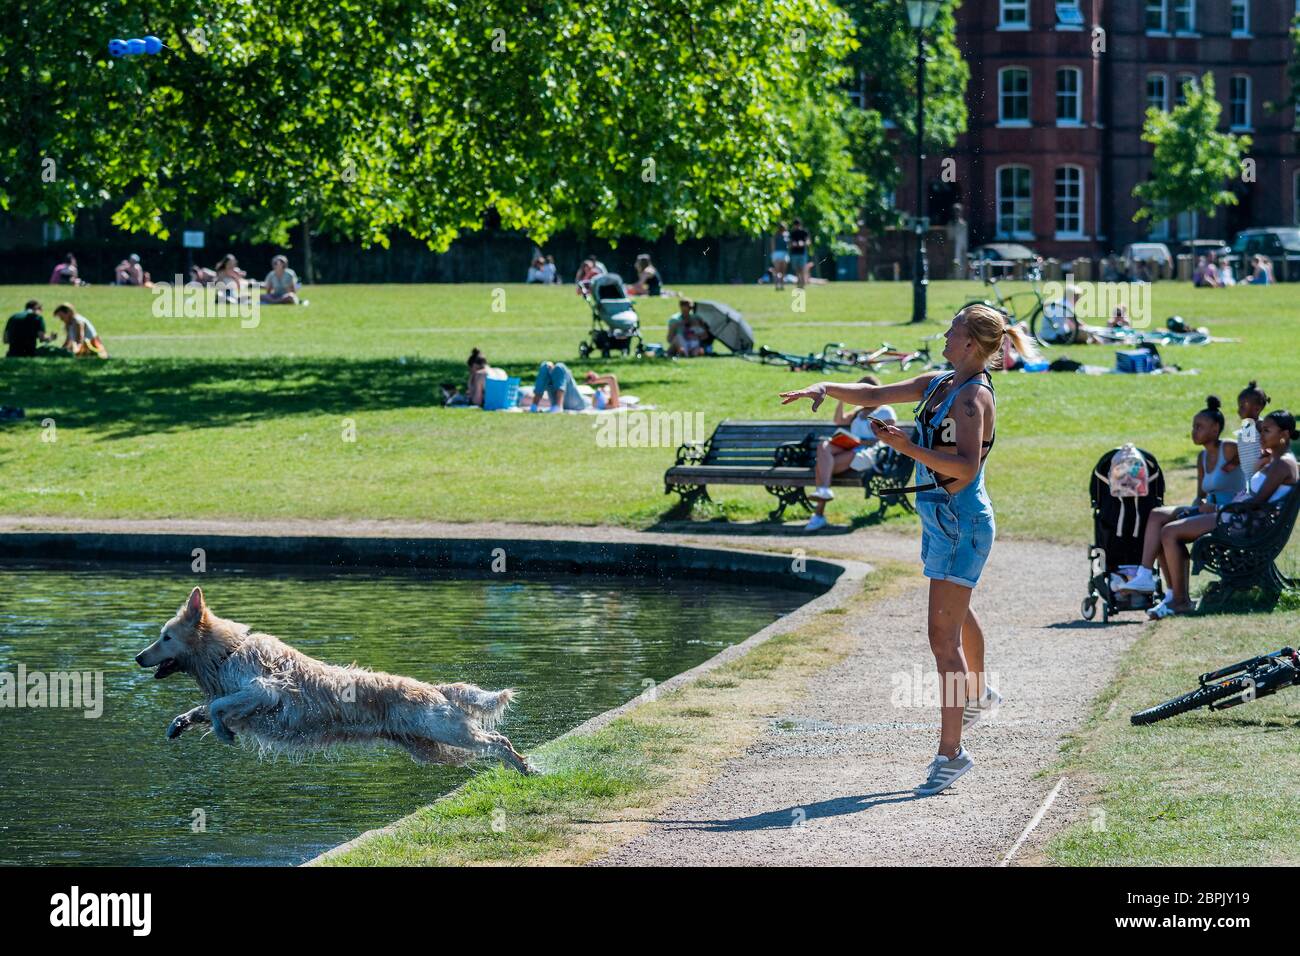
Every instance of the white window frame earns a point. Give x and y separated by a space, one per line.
1007 6
1002 97
1163 29
1163 105
1078 96
1242 6
1081 232
1177 7
1244 102
1023 206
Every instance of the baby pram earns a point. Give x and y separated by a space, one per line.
614 323
1118 526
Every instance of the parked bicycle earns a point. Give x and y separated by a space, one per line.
1023 306
1230 686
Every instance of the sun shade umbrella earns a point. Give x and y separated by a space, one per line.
726 326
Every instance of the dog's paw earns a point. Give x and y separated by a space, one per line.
177 727
223 733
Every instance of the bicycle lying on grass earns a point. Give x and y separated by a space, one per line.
834 355
1229 686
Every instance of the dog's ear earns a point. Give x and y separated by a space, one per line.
195 607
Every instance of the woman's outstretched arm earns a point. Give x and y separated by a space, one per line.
857 393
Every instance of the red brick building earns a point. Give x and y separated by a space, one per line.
1057 97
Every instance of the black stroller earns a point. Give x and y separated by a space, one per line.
614 323
1118 526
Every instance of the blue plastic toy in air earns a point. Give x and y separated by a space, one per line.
142 45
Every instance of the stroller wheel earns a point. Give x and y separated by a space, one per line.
1089 608
584 349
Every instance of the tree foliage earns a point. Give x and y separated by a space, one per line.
1193 161
633 117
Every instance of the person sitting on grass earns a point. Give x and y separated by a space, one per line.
687 335
1219 480
1266 489
25 331
833 459
281 286
130 272
479 372
1261 273
647 278
590 268
80 338
65 273
230 279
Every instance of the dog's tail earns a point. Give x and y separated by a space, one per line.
486 706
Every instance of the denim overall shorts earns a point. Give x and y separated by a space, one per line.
957 531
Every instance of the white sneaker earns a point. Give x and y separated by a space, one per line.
982 709
944 772
823 493
815 523
1142 582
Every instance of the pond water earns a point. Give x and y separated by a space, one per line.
112 790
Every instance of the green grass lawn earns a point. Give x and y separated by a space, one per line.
202 418
1203 788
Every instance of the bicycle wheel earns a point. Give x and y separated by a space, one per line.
1201 697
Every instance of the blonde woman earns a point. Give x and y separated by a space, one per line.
955 428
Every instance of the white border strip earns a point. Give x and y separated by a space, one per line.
1038 818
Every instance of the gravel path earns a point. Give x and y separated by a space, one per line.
830 781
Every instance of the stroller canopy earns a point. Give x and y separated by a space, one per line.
608 286
725 324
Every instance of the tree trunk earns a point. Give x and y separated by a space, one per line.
308 270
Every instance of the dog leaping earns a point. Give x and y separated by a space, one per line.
257 685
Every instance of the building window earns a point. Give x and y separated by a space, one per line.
1013 95
1069 84
1241 18
1157 91
1239 102
1184 16
1014 15
1157 16
1015 203
1180 88
1069 202
1295 198
1068 15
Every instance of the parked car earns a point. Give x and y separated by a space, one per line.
1147 261
1279 243
996 259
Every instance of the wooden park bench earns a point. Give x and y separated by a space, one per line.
779 456
1243 551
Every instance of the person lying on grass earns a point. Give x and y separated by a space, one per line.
1219 479
835 459
1266 489
80 338
556 384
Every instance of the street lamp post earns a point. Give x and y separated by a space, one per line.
921 15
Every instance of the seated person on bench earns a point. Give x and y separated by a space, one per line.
833 459
1267 488
1219 479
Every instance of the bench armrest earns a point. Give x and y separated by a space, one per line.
692 453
